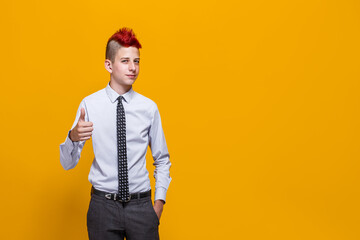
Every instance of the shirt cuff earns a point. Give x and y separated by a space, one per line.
160 194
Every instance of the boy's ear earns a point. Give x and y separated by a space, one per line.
108 65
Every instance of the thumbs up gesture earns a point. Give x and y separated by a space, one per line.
83 130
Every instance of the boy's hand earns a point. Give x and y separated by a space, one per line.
158 207
83 130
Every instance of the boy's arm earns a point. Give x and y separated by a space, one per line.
161 157
70 150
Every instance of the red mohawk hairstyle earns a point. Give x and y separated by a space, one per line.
124 37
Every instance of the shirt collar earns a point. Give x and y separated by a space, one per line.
113 95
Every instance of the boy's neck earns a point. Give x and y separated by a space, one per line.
120 89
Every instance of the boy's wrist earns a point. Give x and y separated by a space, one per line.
159 201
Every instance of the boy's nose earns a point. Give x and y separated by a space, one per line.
131 66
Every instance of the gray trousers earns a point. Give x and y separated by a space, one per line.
110 220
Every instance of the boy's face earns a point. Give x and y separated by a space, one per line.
125 68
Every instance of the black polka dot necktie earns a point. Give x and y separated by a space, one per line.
124 194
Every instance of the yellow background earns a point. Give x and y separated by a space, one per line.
259 102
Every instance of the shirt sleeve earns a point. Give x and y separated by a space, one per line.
161 157
70 151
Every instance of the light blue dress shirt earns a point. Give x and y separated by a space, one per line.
143 129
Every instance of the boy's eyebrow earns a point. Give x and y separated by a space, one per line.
127 58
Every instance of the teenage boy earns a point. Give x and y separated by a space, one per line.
122 123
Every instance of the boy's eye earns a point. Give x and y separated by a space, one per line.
137 61
124 60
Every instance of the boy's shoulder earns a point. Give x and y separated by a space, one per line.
139 98
96 95
140 102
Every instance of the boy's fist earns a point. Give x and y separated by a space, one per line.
83 130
